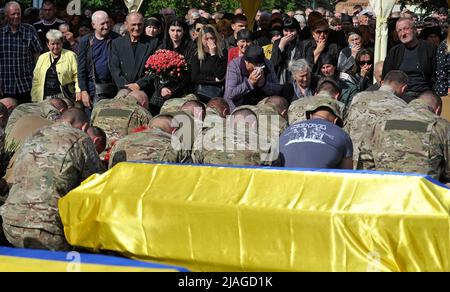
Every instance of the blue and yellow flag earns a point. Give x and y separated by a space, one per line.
263 219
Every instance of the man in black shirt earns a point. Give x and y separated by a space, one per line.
48 22
417 58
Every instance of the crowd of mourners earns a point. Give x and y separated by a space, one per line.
293 89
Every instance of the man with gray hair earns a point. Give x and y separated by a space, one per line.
19 48
94 76
417 58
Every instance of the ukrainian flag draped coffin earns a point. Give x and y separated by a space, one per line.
254 219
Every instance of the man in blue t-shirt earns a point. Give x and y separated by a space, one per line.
93 62
318 142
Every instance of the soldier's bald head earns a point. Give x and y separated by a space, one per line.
141 98
69 103
195 108
280 104
76 117
165 123
244 116
433 100
59 104
397 80
220 105
10 103
98 136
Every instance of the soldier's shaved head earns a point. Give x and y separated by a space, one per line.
70 104
122 93
76 117
195 108
220 105
163 122
141 98
59 104
244 116
280 104
397 80
98 136
433 100
10 103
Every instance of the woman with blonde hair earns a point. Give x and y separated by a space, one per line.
55 74
442 85
209 64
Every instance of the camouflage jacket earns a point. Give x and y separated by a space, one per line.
43 109
174 104
366 109
119 117
50 163
409 141
297 111
224 145
150 145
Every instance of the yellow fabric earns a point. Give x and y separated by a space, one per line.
66 67
250 8
236 219
16 264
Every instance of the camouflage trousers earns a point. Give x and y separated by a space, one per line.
34 238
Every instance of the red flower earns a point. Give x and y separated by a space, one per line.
166 65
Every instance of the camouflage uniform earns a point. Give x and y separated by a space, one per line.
407 141
119 117
43 109
150 145
223 145
366 109
296 111
174 104
50 163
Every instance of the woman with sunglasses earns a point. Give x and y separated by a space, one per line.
363 71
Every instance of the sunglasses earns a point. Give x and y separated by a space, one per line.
365 62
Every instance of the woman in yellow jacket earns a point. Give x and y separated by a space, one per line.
55 70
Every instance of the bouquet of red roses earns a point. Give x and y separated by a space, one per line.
166 65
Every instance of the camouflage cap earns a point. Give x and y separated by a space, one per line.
330 103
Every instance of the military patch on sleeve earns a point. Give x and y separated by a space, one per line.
413 126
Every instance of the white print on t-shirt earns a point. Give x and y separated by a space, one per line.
306 132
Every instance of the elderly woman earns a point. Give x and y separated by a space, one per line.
301 84
55 74
347 56
442 85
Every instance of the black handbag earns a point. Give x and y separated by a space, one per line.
108 90
207 91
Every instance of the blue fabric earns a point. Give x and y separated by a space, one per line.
84 258
315 143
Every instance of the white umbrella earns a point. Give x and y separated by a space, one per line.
382 10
